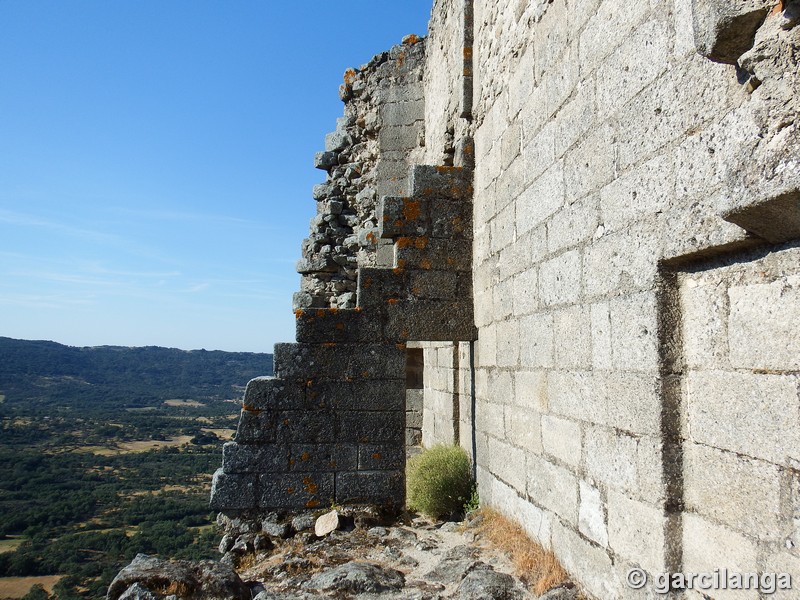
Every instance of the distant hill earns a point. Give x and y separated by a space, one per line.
41 372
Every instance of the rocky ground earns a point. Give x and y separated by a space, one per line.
414 558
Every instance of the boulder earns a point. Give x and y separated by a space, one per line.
358 578
187 580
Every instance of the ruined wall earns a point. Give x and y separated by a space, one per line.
611 160
368 156
631 268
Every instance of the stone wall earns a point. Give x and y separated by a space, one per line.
630 268
368 156
609 156
739 385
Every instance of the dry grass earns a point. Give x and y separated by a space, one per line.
133 447
185 403
10 544
539 568
17 587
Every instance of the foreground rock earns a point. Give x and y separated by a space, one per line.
415 559
150 578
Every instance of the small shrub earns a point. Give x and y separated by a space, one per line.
439 481
474 501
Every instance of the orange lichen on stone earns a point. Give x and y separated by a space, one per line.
400 346
298 313
392 301
305 456
425 264
365 374
290 490
313 503
367 282
411 209
340 326
377 456
404 242
310 486
286 422
421 242
250 409
350 76
467 52
329 344
371 237
411 39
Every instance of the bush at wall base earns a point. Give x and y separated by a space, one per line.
439 481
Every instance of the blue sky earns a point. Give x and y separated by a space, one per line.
156 161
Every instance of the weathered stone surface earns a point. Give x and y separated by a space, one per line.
232 491
358 578
381 487
725 29
486 583
248 458
561 593
139 592
204 580
295 490
342 361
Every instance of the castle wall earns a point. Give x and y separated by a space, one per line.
630 268
739 400
611 160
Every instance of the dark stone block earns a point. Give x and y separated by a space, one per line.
441 182
325 160
381 457
254 458
233 492
377 487
256 427
339 361
323 457
379 395
270 393
371 427
425 217
399 216
295 490
333 325
438 285
307 426
431 320
436 254
376 287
